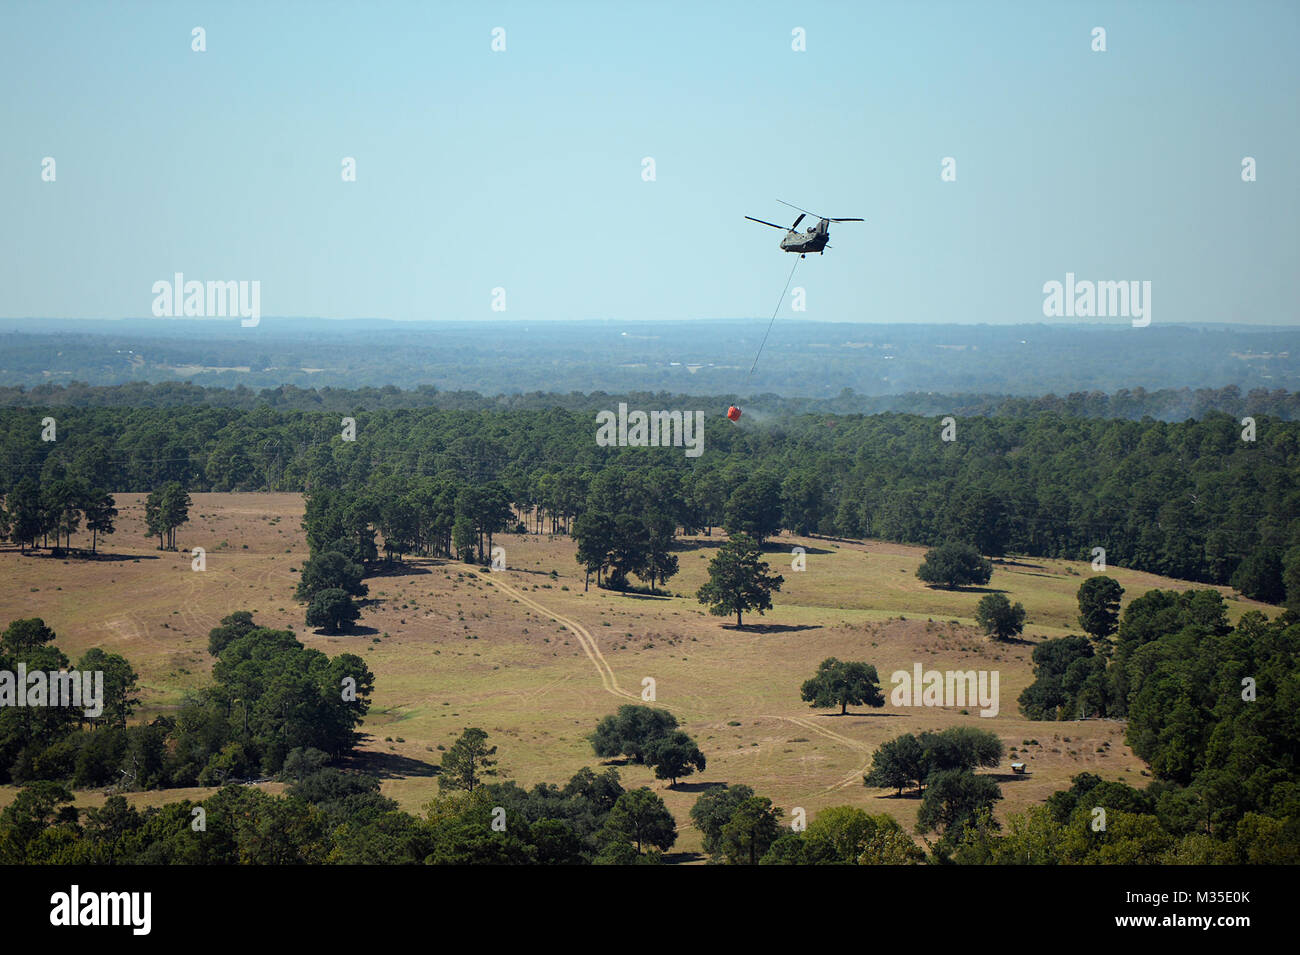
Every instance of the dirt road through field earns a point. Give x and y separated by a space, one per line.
610 682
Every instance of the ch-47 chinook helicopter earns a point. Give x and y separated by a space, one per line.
813 239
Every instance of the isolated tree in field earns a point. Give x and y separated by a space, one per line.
330 571
954 797
99 510
844 684
631 732
998 617
954 565
333 609
166 509
175 509
641 819
467 761
1099 606
750 832
739 580
674 756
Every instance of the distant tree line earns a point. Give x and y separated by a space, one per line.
31 513
1132 404
1191 500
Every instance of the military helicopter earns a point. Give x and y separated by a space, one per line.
813 239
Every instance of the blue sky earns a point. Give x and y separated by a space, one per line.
522 169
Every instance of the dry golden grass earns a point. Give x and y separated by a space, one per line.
450 649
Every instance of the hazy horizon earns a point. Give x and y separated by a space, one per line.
517 178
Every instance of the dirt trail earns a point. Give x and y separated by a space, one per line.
585 639
608 680
829 734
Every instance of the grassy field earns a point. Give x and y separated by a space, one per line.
536 662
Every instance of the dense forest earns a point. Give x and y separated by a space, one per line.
1210 707
1213 709
1192 499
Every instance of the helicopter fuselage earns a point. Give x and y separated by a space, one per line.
813 240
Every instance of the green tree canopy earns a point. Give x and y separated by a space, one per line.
467 761
333 610
998 617
330 571
640 819
674 756
843 684
632 731
739 580
954 565
952 799
1099 606
754 508
749 833
714 809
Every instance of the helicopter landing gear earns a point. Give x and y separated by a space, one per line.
803 255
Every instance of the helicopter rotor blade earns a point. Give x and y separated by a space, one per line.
806 212
765 222
796 222
793 206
